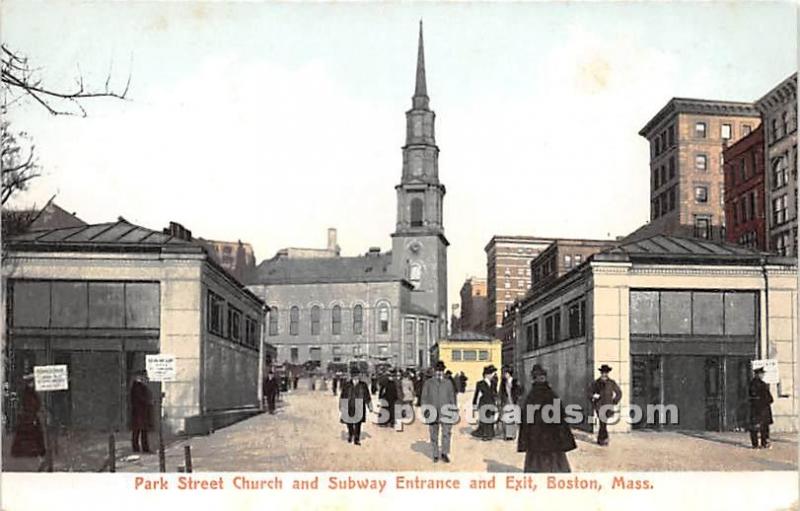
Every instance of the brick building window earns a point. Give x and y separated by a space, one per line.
672 167
746 129
358 320
294 320
701 162
702 227
294 354
753 206
779 210
779 172
552 327
529 338
672 135
726 132
700 130
781 243
701 194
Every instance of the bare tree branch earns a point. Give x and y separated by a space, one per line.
18 76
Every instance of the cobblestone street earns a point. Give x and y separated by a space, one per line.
305 435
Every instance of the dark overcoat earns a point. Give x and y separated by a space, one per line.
537 435
141 406
29 438
760 401
353 397
609 391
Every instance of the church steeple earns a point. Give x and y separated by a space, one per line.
420 194
420 99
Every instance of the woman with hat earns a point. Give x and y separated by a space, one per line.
485 399
604 393
544 442
353 404
28 438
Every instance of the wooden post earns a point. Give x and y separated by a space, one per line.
162 461
112 453
187 458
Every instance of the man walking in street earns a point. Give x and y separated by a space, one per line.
760 409
437 393
353 404
270 391
141 412
388 395
604 393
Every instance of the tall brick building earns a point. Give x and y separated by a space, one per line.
473 305
686 139
508 274
779 113
744 191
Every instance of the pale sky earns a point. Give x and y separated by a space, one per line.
270 123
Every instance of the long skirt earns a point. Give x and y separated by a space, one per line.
546 462
28 440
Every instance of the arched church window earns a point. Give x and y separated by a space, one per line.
315 320
383 319
273 320
417 207
336 320
415 274
294 320
358 320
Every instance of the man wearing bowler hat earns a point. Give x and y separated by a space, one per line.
760 409
437 393
604 393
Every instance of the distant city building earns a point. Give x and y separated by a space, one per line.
686 139
236 257
562 256
508 273
745 211
473 305
779 113
331 250
383 307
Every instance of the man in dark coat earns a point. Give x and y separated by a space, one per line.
335 383
388 393
141 412
28 437
270 391
485 401
604 393
439 393
760 409
545 443
354 402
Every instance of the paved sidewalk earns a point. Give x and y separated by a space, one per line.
305 435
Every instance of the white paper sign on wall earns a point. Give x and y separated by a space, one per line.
770 366
160 367
48 378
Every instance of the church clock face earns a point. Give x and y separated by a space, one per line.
415 246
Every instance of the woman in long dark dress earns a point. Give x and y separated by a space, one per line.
545 443
29 438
